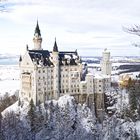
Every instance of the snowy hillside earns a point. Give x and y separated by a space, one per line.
65 120
56 120
9 79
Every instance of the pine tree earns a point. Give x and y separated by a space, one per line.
19 102
1 135
136 135
31 115
132 98
0 122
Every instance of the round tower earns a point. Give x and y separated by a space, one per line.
106 63
37 39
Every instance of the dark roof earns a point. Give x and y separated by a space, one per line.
37 30
55 48
41 56
20 58
63 60
26 73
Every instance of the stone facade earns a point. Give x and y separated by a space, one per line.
47 75
106 64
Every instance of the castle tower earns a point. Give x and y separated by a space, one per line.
37 39
56 75
106 63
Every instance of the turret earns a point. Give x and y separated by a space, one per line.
55 48
20 59
37 39
106 63
55 54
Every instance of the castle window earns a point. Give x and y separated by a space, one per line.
43 71
99 85
43 77
38 77
39 71
39 89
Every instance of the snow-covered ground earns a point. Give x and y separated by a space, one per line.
9 82
9 79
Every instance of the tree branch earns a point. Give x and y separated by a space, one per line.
133 30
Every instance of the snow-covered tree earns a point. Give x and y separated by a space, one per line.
32 116
1 133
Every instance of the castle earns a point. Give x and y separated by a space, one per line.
47 75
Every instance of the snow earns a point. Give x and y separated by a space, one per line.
138 127
9 79
9 82
62 101
101 76
14 107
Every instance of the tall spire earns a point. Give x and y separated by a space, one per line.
55 48
37 39
20 58
37 30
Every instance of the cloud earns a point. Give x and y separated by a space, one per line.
76 24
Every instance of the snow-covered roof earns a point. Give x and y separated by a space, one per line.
44 56
89 74
101 76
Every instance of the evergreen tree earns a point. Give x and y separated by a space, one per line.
136 135
31 115
19 102
1 134
132 98
0 122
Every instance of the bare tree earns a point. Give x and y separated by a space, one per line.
135 29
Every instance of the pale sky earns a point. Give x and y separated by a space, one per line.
86 25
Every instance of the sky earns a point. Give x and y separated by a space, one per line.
89 26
